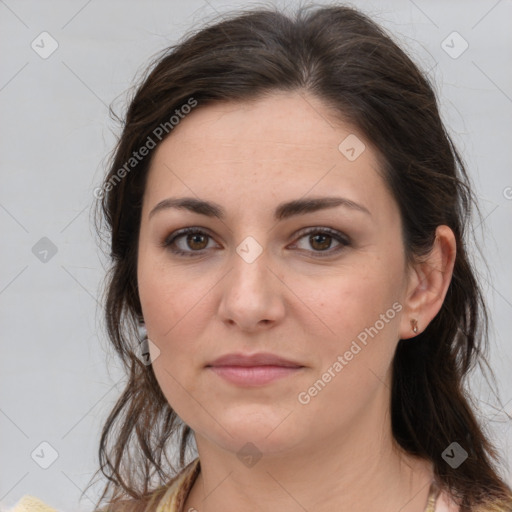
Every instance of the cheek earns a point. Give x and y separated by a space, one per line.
360 314
166 297
171 307
348 304
176 309
360 329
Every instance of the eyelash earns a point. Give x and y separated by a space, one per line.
344 241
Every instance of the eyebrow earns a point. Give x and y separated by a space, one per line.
283 211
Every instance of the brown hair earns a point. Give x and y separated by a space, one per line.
343 58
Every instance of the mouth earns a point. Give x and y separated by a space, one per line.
253 370
257 359
254 375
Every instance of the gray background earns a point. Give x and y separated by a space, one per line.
58 381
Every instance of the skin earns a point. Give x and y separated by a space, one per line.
337 451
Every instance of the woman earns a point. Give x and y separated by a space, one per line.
287 221
288 229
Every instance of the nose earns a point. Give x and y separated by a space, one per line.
252 295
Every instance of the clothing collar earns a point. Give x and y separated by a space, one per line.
179 488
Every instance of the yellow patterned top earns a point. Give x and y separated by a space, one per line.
174 499
31 504
176 494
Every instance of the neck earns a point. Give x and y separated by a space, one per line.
351 472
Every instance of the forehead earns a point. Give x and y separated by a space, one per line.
283 122
284 143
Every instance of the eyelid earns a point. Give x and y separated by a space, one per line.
342 239
340 236
170 239
184 231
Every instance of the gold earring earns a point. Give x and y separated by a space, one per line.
414 325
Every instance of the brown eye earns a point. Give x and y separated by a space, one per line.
197 241
319 242
187 242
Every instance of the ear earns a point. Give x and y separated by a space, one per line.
428 283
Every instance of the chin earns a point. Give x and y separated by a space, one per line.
263 431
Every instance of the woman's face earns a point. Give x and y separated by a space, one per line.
321 287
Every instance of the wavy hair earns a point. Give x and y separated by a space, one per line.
342 57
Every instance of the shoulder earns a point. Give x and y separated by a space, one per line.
168 498
502 506
445 503
30 504
179 488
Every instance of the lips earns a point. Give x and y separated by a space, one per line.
252 360
253 370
